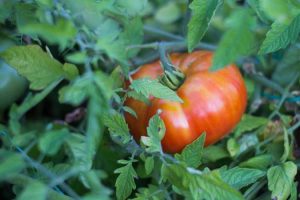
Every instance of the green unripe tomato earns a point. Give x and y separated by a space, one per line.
12 85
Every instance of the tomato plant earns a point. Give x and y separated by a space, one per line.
139 99
209 99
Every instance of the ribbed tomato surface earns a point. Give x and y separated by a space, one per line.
214 102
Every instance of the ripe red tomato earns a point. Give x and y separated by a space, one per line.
214 102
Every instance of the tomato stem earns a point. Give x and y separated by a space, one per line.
173 77
165 61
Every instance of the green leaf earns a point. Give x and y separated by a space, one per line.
155 131
138 96
51 141
6 9
34 64
114 49
247 141
125 181
16 112
78 152
129 110
149 87
77 91
25 181
35 190
259 162
95 126
71 71
105 84
131 8
280 180
214 153
93 181
192 153
11 164
132 35
199 185
240 177
88 13
202 12
237 41
277 9
255 5
152 192
62 32
294 193
286 146
117 126
26 14
281 35
168 13
45 3
77 57
24 139
288 67
115 44
149 164
249 123
233 147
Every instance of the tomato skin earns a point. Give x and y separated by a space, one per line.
214 102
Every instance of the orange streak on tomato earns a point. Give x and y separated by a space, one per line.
214 102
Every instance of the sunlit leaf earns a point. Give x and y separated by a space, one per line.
281 35
240 177
149 87
125 181
202 12
280 180
34 64
192 153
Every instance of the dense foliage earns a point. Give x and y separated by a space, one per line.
63 66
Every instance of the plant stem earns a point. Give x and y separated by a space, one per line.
166 63
252 191
66 188
285 94
266 82
170 46
48 173
163 33
294 127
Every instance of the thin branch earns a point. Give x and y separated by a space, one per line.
172 46
162 33
294 127
266 82
67 189
254 189
284 96
165 61
169 46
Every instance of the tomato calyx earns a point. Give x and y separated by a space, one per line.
172 77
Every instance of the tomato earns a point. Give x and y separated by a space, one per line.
213 102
